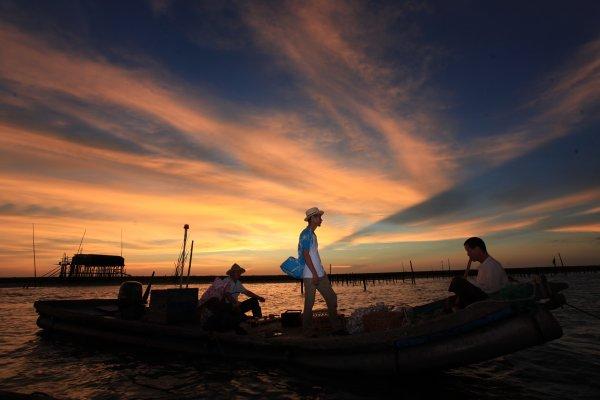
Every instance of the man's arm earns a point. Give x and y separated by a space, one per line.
254 295
468 269
482 281
311 266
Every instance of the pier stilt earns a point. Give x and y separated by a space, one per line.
562 264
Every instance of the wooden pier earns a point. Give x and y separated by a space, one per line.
363 279
408 276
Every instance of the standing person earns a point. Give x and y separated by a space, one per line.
491 277
235 287
314 276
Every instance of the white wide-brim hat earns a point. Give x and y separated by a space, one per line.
313 211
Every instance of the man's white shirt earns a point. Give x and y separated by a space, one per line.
491 277
316 259
235 288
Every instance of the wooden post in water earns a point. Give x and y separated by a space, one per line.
402 271
182 259
412 272
34 265
301 286
561 260
187 281
364 285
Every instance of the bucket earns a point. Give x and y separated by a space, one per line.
130 300
291 318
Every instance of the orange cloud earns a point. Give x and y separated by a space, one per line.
238 212
583 228
262 145
560 203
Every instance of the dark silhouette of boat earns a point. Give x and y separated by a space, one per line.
431 340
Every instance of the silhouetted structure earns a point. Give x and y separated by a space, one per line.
92 266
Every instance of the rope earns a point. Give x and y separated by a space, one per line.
583 311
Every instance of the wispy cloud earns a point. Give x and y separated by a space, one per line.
337 50
562 101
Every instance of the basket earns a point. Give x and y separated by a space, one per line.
321 320
379 321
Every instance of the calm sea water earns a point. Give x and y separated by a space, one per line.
565 368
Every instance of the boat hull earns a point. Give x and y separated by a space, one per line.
452 344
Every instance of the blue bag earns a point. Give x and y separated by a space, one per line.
293 268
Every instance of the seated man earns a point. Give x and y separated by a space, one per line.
215 313
491 277
235 287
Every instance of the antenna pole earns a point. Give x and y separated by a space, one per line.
80 249
34 265
121 242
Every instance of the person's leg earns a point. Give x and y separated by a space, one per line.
209 314
450 302
309 302
221 315
231 318
466 292
251 304
324 287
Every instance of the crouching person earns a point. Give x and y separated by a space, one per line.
215 313
220 309
235 288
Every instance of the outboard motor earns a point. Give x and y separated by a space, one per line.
131 303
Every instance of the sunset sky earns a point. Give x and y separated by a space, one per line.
414 125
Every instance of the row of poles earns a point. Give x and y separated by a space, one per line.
364 280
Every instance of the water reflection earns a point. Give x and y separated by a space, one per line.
30 362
